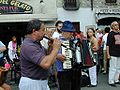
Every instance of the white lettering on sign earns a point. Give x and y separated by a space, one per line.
105 10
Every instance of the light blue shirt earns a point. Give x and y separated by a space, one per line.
1 45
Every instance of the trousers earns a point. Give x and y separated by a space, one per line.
114 69
30 84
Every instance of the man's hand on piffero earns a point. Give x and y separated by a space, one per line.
56 44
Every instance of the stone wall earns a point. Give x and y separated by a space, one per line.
96 4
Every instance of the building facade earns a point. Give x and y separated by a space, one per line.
14 15
91 13
10 10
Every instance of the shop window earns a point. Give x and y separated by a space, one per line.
71 4
110 1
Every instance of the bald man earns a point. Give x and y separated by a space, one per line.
113 54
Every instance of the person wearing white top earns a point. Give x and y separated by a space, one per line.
12 49
104 41
57 33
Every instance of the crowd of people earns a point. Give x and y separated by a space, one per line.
42 58
5 63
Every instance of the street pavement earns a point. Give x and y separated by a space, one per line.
102 85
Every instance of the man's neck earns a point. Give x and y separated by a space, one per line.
117 30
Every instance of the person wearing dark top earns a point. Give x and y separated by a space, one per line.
34 61
113 54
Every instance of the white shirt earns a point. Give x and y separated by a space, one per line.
44 43
56 35
12 52
105 41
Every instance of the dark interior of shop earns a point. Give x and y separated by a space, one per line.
7 30
108 20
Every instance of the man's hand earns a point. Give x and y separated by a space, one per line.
61 57
56 44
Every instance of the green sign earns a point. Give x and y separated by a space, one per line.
14 7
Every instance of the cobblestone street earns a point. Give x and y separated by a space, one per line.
102 85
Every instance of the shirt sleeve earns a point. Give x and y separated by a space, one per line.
34 54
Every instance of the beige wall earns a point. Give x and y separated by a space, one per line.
50 6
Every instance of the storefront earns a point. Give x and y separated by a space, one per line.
105 16
15 14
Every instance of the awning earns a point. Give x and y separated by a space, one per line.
105 12
26 17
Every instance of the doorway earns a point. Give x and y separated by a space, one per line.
7 30
107 21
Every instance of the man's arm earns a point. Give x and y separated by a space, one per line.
108 54
48 60
2 49
109 42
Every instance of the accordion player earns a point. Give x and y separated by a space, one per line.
68 77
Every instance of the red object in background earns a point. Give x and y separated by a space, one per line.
100 41
7 66
81 36
77 36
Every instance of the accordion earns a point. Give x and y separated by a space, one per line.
83 54
67 64
87 55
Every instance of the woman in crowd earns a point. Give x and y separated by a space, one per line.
12 49
93 44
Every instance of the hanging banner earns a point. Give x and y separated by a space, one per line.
14 7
